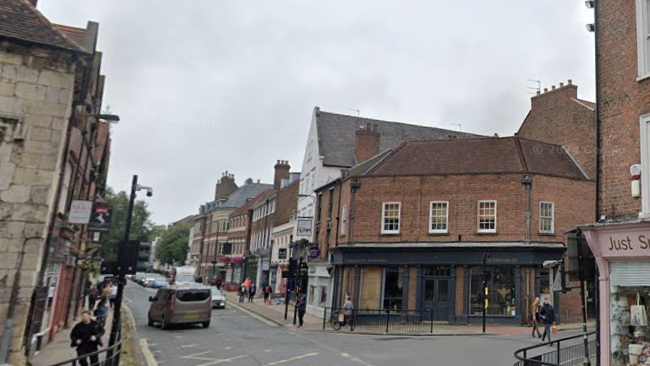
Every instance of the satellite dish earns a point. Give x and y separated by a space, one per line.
635 169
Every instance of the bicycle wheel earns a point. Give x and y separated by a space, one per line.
336 325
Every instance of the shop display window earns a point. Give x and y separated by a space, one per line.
629 331
393 289
500 281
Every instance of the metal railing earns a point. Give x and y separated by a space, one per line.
387 321
103 354
569 351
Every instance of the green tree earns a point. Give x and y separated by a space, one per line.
173 244
141 225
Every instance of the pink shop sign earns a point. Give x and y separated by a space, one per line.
627 244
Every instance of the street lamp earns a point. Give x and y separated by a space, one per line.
121 279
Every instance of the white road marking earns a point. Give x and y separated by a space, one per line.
262 319
293 359
148 356
355 359
189 346
223 360
227 348
196 354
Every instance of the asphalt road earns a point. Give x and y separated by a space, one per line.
237 338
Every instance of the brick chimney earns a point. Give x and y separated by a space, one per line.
281 172
33 2
552 97
367 143
225 186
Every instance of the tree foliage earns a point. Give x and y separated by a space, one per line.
141 225
173 244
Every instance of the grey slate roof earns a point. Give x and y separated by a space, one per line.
239 197
19 20
337 133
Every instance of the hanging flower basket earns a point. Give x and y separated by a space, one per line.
90 267
224 259
238 260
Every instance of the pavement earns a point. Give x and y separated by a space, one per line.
257 335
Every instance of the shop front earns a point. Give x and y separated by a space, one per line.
318 288
622 253
443 279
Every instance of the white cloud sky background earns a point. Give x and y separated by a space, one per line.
205 86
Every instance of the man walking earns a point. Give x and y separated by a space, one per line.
302 308
86 336
267 293
251 292
547 314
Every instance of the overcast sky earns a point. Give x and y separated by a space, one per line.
205 86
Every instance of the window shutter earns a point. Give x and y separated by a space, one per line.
630 273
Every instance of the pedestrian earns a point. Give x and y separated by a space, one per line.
247 283
251 292
242 293
534 317
348 310
92 298
547 315
302 308
219 283
214 282
101 312
86 336
112 295
267 293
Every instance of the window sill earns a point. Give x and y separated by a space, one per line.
643 77
390 233
435 233
546 234
486 233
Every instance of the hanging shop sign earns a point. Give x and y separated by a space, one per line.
314 252
80 212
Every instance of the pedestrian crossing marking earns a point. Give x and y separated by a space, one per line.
293 359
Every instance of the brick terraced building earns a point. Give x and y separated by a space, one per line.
411 228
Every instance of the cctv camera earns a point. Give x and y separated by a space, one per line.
149 192
551 264
591 27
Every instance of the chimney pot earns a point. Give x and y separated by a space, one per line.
552 87
570 82
538 92
545 90
561 85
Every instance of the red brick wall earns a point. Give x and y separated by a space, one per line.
556 117
460 285
621 100
573 206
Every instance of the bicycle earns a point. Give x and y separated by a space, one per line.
341 320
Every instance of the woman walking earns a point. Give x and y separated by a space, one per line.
251 292
101 312
534 317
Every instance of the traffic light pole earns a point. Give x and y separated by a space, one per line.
583 301
121 280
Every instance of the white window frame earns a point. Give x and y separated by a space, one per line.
383 217
643 38
644 129
344 220
552 217
438 231
478 217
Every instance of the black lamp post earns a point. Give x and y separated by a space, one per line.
121 279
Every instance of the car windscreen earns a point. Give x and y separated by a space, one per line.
193 295
216 293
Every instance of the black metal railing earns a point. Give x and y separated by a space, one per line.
386 321
569 351
106 358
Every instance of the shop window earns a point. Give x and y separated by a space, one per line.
546 217
487 216
438 217
644 124
392 296
628 329
500 281
390 217
370 290
323 297
643 38
312 295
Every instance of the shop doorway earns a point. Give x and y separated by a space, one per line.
436 297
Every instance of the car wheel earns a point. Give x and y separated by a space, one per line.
149 321
164 324
206 324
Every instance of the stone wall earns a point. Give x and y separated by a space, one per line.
35 105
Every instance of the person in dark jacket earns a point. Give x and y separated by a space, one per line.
86 336
302 308
251 292
547 315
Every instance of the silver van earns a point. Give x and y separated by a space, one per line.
181 305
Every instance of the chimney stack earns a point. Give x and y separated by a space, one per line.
281 172
33 2
367 142
225 186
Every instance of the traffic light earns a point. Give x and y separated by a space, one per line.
293 268
144 253
127 261
577 247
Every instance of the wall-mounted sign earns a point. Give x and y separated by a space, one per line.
304 227
101 217
80 212
314 252
282 253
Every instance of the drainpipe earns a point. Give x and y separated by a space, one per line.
354 185
597 57
528 184
335 288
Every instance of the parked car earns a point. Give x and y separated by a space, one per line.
159 283
181 305
149 279
218 298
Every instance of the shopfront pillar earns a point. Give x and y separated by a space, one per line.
466 292
418 304
405 287
518 311
357 285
